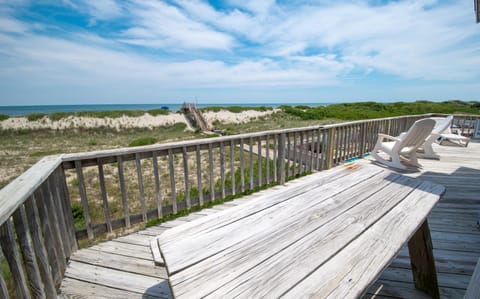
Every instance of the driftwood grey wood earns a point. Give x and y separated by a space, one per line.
48 268
334 236
455 250
47 177
103 190
28 254
138 164
7 241
473 289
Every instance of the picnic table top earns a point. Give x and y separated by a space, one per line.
330 236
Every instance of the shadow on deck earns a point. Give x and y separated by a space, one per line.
124 268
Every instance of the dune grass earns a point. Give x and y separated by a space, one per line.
369 110
97 114
236 109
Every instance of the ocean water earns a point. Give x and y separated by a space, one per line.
25 110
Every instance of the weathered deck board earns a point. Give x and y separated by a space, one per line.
455 237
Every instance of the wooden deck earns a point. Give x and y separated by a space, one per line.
124 268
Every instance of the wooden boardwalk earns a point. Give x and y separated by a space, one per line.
124 268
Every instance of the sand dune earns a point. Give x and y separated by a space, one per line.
124 122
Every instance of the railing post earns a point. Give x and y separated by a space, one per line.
9 249
331 141
363 138
281 159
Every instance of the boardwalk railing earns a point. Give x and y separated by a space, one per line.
62 199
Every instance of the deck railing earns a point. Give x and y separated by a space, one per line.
118 188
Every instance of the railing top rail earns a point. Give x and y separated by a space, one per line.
187 143
15 193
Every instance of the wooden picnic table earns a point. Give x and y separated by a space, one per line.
330 236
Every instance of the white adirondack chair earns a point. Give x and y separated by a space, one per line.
458 139
404 147
442 125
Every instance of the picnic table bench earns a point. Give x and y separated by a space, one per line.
330 236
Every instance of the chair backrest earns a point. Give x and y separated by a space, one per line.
417 134
442 125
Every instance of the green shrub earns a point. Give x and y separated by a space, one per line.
35 116
92 142
237 109
77 213
4 117
155 112
143 141
59 115
369 110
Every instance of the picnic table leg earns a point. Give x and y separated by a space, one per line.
423 262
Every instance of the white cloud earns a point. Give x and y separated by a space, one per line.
159 25
97 9
252 44
8 24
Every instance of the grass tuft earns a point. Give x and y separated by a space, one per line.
155 112
35 116
237 109
143 141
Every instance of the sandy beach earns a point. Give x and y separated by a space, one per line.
126 122
225 116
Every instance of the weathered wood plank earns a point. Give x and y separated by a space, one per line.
48 270
311 150
179 251
28 254
423 262
141 191
51 213
103 190
135 239
121 180
15 193
118 262
9 249
258 203
473 289
186 178
53 250
259 161
173 189
222 169
125 249
242 166
57 201
75 289
3 287
274 274
158 193
267 159
250 152
275 154
210 168
67 209
295 170
356 267
118 279
289 153
199 175
232 167
83 198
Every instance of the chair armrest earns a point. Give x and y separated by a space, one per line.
385 136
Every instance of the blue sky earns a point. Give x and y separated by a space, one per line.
237 51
